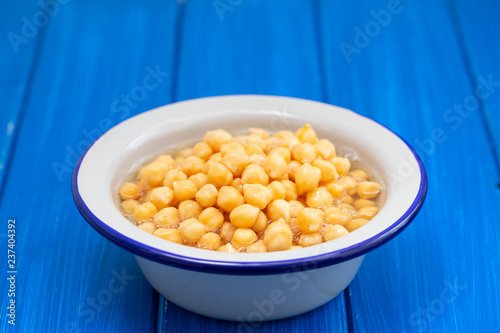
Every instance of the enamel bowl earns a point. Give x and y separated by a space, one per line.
247 287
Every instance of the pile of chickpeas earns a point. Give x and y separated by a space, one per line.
260 192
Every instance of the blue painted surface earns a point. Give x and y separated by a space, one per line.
71 80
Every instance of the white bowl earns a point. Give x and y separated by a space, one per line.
247 286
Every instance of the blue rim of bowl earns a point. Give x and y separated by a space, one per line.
254 268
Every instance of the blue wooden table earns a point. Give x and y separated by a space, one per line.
429 70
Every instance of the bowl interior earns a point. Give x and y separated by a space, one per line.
122 150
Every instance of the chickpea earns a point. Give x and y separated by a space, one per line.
207 195
278 236
271 144
290 143
307 178
336 189
217 138
292 168
172 235
291 190
166 159
306 135
278 209
154 173
314 238
304 153
227 248
310 220
368 190
226 231
212 218
229 198
219 175
172 176
257 195
129 191
167 217
192 165
358 174
285 153
209 241
254 174
319 197
184 190
185 152
148 227
242 237
278 190
252 149
368 212
334 215
260 132
236 162
199 179
255 140
244 216
257 247
350 184
238 185
295 207
189 209
202 150
128 206
275 166
257 159
347 199
325 149
362 203
215 158
342 165
232 147
261 222
145 211
191 230
355 224
283 134
328 171
162 197
334 231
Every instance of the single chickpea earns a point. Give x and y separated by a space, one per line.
191 230
328 171
336 189
278 190
217 138
244 216
148 227
192 165
362 203
358 174
257 195
310 220
275 166
172 176
227 248
368 212
347 208
334 215
278 209
334 231
314 238
257 159
284 152
185 152
290 143
347 199
270 144
189 209
292 168
219 175
257 247
254 174
202 150
242 237
278 236
295 207
215 158
207 195
260 132
306 135
162 197
342 165
350 184
231 147
129 191
261 222
166 159
229 198
128 206
325 149
145 211
172 235
184 190
199 179
307 178
226 231
237 184
283 134
212 218
304 153
355 224
368 190
154 173
209 241
236 162
167 217
255 140
319 197
252 149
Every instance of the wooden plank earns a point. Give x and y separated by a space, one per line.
440 274
70 279
17 60
478 26
258 48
